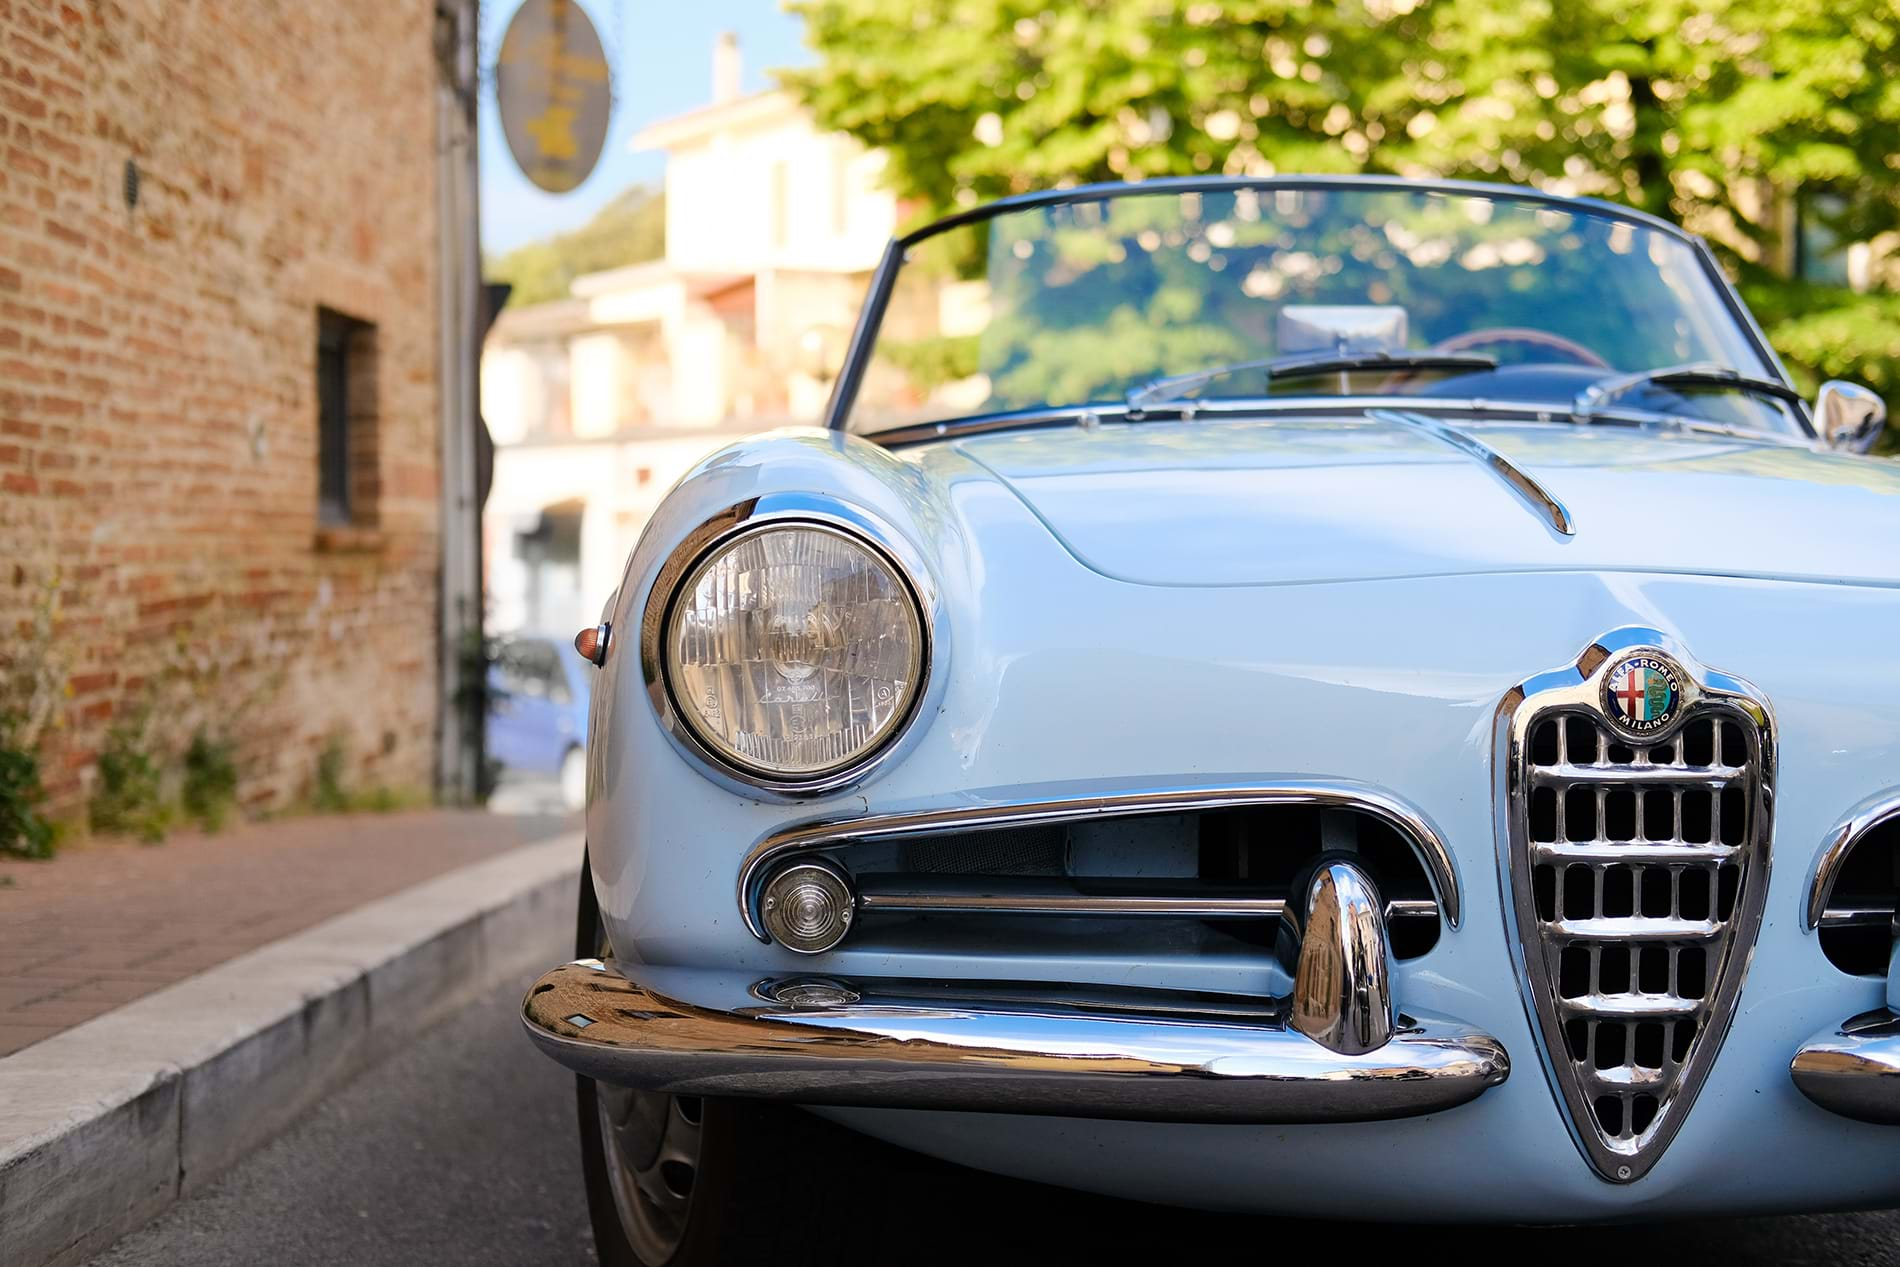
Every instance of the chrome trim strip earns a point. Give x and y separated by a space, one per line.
1133 1055
836 833
1474 409
1857 917
878 895
786 508
1854 1070
1221 184
1827 868
1536 944
1534 495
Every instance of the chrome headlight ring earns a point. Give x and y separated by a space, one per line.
865 530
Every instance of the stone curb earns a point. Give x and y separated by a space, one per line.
106 1124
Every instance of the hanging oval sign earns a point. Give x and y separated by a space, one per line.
552 86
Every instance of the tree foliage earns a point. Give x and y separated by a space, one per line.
1722 115
628 230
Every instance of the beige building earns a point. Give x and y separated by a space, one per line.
599 402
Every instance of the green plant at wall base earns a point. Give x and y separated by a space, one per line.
332 794
33 691
130 798
24 832
210 787
384 799
329 795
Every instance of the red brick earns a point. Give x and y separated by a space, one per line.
139 346
22 103
64 232
25 164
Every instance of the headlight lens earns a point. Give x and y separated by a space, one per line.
794 650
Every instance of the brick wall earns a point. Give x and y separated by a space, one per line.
158 404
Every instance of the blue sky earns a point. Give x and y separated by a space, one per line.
662 57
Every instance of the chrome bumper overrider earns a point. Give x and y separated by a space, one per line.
1127 1054
1854 1070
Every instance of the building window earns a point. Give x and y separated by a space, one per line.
550 555
347 466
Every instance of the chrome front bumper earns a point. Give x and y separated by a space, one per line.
1130 1054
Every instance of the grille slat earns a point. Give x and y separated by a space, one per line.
1615 1080
1567 775
1628 1005
1638 865
1637 929
1651 853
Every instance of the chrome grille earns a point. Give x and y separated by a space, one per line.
1638 867
1220 855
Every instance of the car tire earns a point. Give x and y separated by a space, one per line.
574 779
677 1181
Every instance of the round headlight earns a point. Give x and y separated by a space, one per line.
794 650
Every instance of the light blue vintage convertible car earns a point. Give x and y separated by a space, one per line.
1356 697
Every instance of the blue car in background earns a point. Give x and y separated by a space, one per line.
537 712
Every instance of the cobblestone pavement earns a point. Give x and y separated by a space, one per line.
107 922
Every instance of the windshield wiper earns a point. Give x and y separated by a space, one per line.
1162 390
1592 399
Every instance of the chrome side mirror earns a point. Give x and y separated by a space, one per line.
1849 416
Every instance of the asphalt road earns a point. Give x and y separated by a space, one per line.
461 1150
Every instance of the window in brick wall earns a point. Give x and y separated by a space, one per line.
347 467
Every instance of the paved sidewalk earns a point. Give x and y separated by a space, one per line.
108 923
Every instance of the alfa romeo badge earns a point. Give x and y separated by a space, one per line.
1643 693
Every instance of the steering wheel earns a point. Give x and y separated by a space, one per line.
1542 339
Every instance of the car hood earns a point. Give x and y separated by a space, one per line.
1272 501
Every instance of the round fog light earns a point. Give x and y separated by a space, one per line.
807 907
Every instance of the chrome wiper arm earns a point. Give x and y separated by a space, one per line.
1591 400
1162 390
1158 391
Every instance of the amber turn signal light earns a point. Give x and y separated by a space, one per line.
592 643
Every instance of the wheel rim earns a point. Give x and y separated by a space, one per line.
651 1144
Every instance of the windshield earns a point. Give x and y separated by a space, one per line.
1087 302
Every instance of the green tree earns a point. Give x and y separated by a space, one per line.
1719 114
628 230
